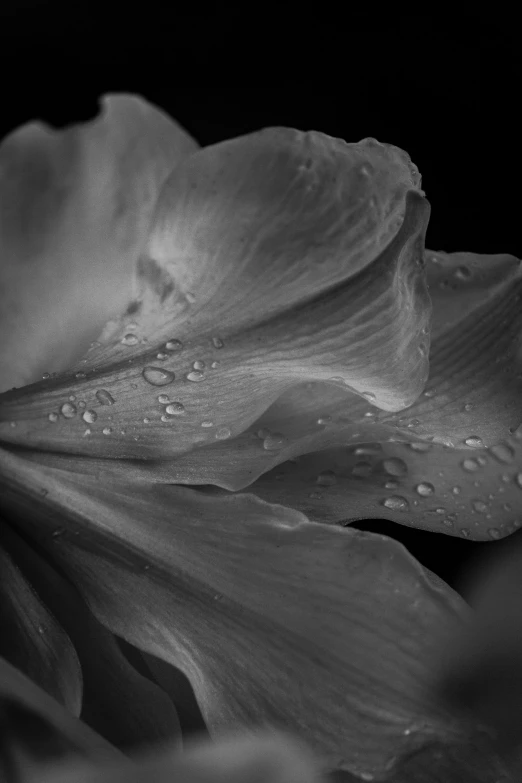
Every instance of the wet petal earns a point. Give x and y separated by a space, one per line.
296 271
263 757
75 209
276 621
34 641
118 702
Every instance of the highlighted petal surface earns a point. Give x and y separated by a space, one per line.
302 268
75 209
275 620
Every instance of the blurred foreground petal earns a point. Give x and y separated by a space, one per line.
277 621
262 757
75 208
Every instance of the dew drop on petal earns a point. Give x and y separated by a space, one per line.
195 375
425 489
326 478
89 416
468 406
222 433
395 466
480 506
130 339
391 484
104 397
175 408
494 532
474 441
503 452
134 385
518 480
157 377
214 365
173 345
463 273
72 398
146 420
217 342
207 423
420 446
164 399
79 375
46 375
164 417
161 356
273 441
107 430
470 465
53 417
448 522
198 365
518 432
370 449
456 490
68 410
397 503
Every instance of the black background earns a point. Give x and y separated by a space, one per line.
444 87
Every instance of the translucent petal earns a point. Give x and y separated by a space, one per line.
75 210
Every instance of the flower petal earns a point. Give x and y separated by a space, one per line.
275 620
120 704
262 757
39 729
33 640
75 209
305 278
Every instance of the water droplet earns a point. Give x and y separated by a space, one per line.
324 420
429 393
464 531
468 406
134 385
130 339
217 342
132 326
456 490
369 414
448 522
440 510
470 465
80 375
362 469
164 417
503 452
173 345
86 432
479 506
89 416
463 273
395 466
518 480
518 432
53 417
420 446
482 460
198 365
104 397
68 410
397 503
494 532
157 377
72 398
195 375
326 478
474 441
392 484
146 420
107 430
222 433
370 396
207 423
370 449
215 364
161 356
81 404
273 441
164 399
45 376
425 489
175 408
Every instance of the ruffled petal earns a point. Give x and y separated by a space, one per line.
276 621
274 258
75 210
33 640
118 702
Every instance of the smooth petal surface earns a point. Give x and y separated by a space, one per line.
303 259
263 757
34 641
75 209
116 701
276 621
36 729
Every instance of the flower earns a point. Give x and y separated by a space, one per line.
259 314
